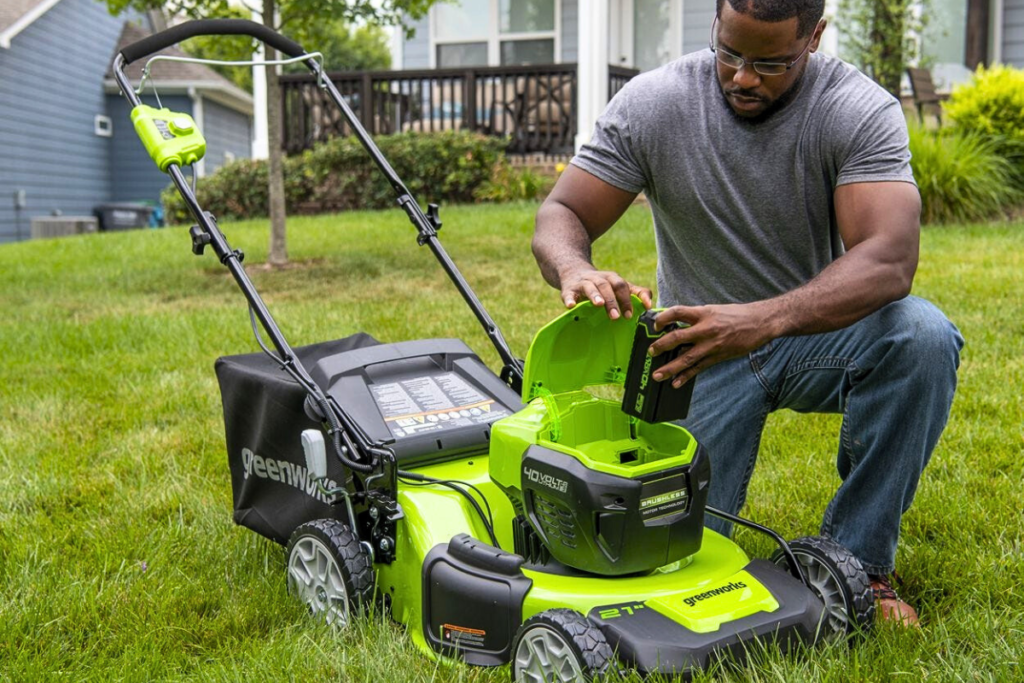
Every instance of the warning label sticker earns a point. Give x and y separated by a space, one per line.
461 635
420 405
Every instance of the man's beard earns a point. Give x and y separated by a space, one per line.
780 102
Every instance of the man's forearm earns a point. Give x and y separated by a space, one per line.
560 243
850 288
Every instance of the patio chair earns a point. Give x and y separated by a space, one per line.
925 97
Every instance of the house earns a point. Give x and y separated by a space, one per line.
66 141
644 34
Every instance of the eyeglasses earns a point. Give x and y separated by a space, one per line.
734 61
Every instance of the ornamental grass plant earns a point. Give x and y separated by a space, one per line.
963 175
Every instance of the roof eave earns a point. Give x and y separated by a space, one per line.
24 22
223 93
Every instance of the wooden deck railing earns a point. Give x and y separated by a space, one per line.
533 106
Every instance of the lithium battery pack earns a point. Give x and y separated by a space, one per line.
644 398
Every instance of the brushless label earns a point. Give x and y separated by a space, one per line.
434 403
664 497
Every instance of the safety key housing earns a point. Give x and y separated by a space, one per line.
170 137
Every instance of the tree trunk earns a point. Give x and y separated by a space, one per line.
976 49
278 254
887 34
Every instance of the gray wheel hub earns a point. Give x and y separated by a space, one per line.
544 656
314 576
827 586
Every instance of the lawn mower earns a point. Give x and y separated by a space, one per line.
512 518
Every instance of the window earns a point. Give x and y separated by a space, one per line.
482 32
461 54
527 51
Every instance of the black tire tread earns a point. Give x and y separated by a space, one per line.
352 558
856 583
595 653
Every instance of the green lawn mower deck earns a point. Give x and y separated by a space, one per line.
514 518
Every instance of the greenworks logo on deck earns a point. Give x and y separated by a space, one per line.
714 592
654 501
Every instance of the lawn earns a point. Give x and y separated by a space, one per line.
117 551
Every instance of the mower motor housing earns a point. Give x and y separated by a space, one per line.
598 490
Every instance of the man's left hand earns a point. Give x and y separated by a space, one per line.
714 333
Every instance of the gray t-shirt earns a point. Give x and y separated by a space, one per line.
745 211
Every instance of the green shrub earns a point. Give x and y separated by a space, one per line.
961 174
992 104
508 184
445 167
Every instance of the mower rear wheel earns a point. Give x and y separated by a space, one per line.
559 646
839 579
329 571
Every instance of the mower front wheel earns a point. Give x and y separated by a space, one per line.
838 578
559 646
329 571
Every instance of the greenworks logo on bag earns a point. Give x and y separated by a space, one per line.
285 472
714 592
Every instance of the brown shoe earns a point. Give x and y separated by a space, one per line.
889 605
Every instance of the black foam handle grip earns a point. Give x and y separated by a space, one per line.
210 27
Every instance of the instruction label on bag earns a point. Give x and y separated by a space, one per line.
433 403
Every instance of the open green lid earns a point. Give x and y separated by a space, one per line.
580 348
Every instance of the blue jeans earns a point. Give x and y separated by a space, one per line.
891 375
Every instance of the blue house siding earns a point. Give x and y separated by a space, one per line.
697 18
226 132
51 89
570 30
416 51
1013 32
134 176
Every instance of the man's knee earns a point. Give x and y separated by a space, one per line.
923 334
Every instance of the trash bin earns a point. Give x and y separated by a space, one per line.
123 216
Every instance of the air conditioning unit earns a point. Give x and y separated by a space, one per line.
60 226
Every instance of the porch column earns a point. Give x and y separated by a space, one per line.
260 134
592 72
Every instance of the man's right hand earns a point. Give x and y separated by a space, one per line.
603 288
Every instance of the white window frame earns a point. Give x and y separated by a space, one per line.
620 38
494 37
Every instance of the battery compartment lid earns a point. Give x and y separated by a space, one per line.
581 348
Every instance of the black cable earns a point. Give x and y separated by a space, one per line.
259 338
429 480
416 479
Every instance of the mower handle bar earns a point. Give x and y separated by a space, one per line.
427 227
210 27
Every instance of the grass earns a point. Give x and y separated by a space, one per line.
118 556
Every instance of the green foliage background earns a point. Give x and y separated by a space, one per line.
876 34
337 175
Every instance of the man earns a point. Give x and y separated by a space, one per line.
787 226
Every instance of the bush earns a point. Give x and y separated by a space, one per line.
961 175
992 104
508 184
445 167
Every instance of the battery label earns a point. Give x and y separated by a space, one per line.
664 497
435 403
